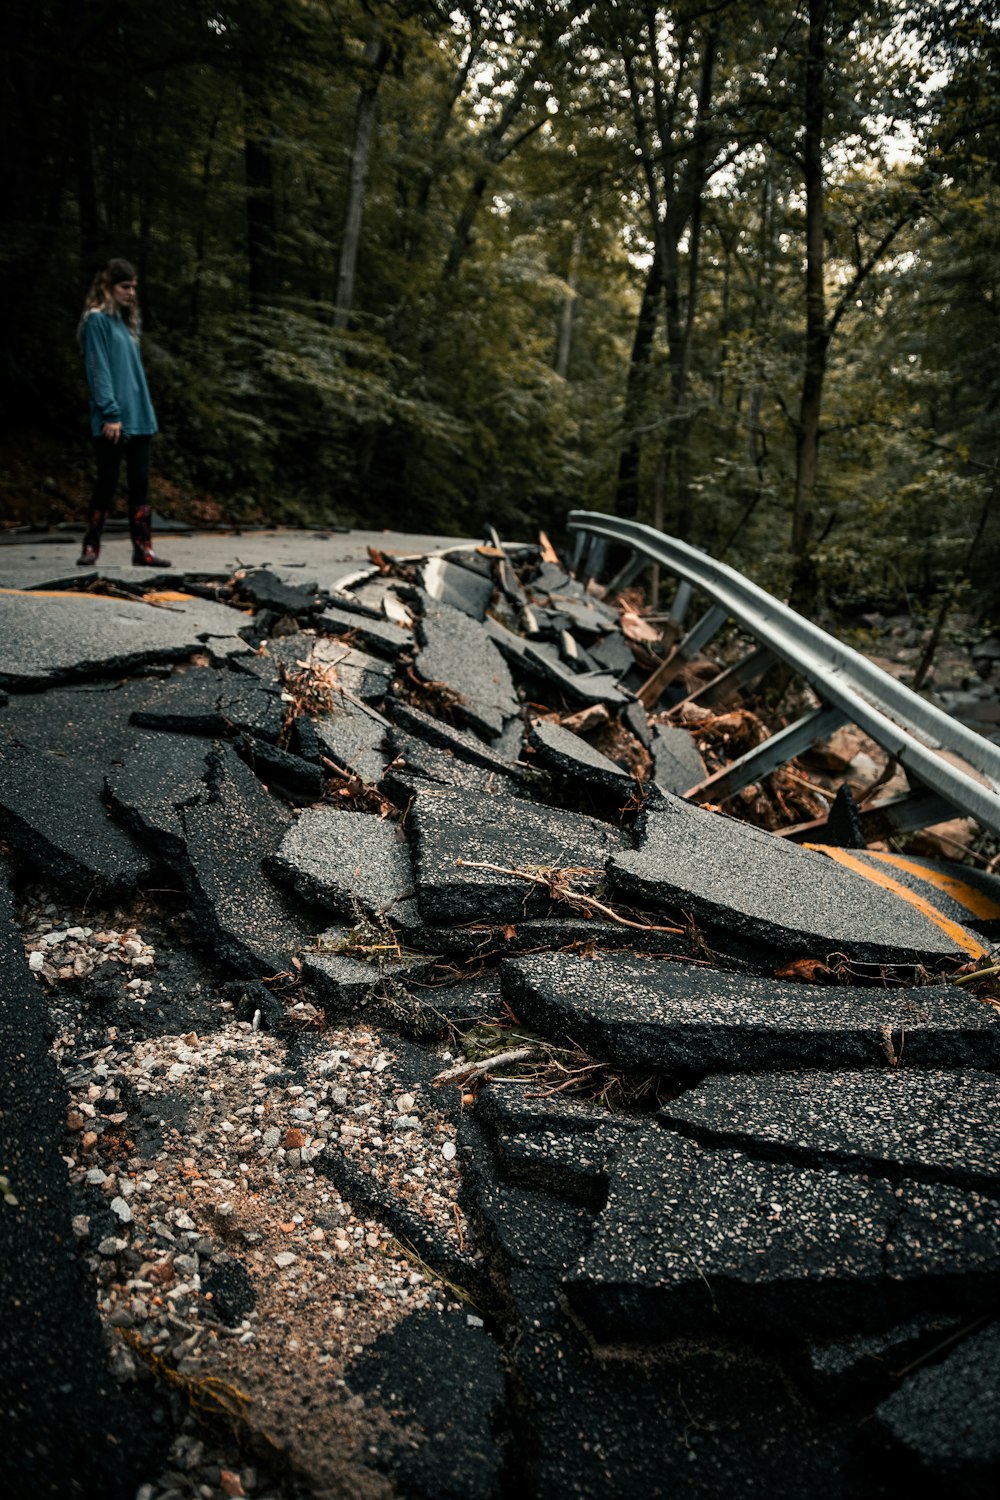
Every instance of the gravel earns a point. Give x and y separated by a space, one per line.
193 1152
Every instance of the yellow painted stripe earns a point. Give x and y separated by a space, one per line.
164 597
975 901
957 934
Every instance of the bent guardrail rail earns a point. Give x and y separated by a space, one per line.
955 769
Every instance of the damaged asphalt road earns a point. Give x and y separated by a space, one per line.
289 851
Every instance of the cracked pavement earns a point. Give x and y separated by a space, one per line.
317 819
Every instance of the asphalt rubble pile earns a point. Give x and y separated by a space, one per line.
401 1097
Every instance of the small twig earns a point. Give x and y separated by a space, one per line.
560 892
987 973
462 1072
939 1348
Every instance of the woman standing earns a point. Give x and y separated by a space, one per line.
121 414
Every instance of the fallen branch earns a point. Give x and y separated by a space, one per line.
554 882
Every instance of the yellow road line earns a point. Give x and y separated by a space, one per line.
956 933
166 597
975 901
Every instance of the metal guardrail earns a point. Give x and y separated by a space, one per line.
950 767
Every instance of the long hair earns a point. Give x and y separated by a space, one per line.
100 299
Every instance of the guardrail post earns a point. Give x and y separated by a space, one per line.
698 636
763 759
628 573
597 556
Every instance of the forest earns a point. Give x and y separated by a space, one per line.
728 267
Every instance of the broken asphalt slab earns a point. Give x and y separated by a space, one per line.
215 822
212 701
346 861
945 1417
772 892
414 1372
460 587
674 1017
66 1425
51 638
463 845
60 828
458 742
932 1125
455 654
677 763
570 755
692 1237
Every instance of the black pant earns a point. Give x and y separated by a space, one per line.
109 462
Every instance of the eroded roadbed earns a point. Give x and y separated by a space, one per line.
410 1093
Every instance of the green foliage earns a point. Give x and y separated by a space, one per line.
523 162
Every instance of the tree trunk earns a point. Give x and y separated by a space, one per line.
376 58
568 309
817 341
627 486
258 167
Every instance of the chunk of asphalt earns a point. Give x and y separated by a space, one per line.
68 1426
214 702
588 617
697 1420
354 739
375 596
931 1125
636 721
55 638
945 1416
852 1369
552 578
300 779
231 1289
772 891
356 674
379 635
153 777
260 665
465 1004
592 1426
414 762
414 1371
457 652
674 1017
264 589
353 969
461 588
344 861
460 742
570 1166
187 703
677 763
228 835
570 755
691 1236
613 653
454 833
519 1226
57 822
540 662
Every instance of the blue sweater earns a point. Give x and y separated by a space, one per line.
118 389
